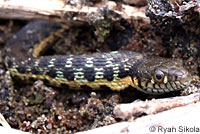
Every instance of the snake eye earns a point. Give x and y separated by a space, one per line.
158 76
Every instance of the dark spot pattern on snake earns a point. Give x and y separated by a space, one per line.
116 70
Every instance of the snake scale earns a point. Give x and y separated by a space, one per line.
116 70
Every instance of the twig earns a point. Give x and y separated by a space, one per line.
138 108
59 11
178 120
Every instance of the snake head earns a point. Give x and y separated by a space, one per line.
160 75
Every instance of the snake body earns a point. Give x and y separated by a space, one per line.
116 70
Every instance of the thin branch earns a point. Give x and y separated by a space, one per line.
58 11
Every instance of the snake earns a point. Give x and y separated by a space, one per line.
115 70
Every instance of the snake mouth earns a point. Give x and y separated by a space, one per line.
165 76
150 87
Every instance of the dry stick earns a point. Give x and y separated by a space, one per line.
58 11
3 121
138 108
183 119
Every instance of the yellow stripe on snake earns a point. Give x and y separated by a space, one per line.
116 70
